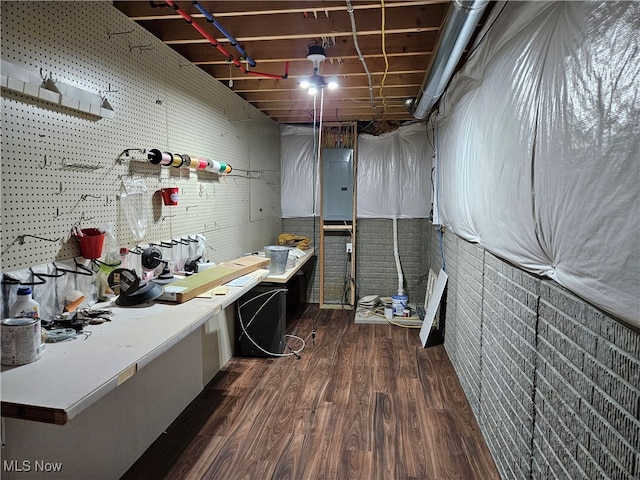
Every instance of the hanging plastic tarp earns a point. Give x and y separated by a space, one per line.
539 147
299 192
393 173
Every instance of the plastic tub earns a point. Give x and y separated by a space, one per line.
399 304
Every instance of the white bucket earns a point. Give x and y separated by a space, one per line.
21 340
399 303
278 256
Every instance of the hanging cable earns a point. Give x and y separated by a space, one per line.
360 56
384 54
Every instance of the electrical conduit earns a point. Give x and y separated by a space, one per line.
220 48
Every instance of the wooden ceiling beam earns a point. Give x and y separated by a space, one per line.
259 28
289 49
142 11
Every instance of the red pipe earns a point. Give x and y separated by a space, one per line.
227 55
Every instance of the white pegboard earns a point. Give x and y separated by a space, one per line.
159 101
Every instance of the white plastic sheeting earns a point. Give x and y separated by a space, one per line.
393 173
299 172
539 147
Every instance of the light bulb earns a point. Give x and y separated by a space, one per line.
304 83
313 90
333 84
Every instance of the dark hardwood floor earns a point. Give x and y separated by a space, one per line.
363 402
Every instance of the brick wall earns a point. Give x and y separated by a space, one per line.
376 271
553 382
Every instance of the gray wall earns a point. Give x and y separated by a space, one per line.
375 263
553 382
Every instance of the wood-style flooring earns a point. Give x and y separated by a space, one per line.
363 402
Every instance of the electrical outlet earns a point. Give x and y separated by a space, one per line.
349 247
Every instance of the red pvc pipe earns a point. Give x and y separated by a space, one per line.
216 44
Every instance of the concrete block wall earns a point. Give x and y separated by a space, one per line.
588 399
376 271
553 382
508 358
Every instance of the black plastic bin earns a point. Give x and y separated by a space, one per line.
263 314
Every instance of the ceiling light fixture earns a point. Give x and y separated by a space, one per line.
316 81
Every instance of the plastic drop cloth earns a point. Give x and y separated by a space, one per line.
393 173
539 147
300 178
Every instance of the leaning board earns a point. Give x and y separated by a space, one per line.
189 287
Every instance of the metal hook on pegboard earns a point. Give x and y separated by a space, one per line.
113 34
78 166
46 163
20 238
140 48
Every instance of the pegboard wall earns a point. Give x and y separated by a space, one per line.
63 167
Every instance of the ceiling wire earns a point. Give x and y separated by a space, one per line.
384 54
360 56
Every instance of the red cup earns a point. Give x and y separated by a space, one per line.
170 195
91 243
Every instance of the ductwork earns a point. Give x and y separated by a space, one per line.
462 18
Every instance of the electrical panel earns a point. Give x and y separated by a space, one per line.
337 184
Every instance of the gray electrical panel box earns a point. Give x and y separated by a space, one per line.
337 184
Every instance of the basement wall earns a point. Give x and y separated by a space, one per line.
553 382
376 272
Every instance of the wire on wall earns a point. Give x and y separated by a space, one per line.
384 55
360 56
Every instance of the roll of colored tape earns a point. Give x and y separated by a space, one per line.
222 168
195 162
154 156
214 166
228 169
177 161
203 164
167 158
186 160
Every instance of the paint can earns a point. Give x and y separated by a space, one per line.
21 340
399 303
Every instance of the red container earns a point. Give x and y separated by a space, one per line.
170 195
91 243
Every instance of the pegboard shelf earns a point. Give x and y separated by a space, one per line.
23 81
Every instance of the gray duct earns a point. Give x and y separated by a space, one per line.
462 18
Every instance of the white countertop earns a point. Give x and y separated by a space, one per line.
304 256
72 375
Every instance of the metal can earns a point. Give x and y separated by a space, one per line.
21 341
